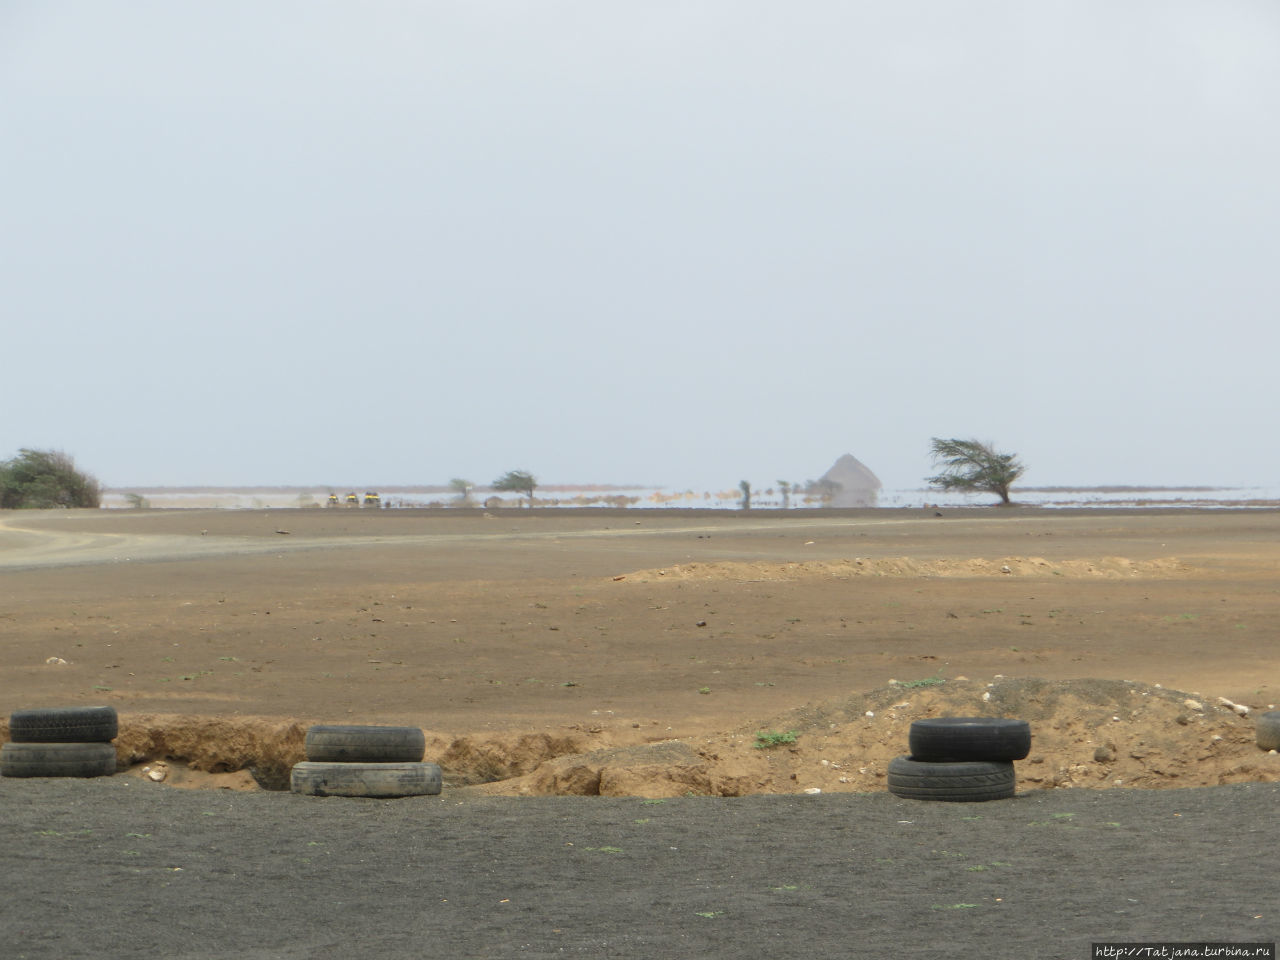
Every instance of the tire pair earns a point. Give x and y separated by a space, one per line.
60 742
960 759
365 761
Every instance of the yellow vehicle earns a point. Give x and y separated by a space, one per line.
353 500
371 499
333 499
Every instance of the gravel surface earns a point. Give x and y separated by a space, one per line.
116 868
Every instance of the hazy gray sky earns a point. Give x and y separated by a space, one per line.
683 243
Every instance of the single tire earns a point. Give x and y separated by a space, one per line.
365 779
57 760
968 780
352 744
1268 727
950 739
64 725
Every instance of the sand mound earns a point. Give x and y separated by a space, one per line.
1114 568
1085 733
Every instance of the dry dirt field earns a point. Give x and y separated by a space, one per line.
637 653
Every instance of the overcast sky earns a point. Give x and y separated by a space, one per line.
681 243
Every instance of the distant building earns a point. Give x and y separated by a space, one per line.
852 483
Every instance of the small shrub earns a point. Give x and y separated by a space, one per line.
768 739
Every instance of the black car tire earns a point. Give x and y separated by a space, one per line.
64 725
57 760
1268 730
948 739
968 780
365 779
357 744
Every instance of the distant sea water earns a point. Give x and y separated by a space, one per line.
650 497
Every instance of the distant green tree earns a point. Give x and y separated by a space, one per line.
41 479
785 487
971 466
517 481
463 489
745 488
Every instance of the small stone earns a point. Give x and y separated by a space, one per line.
1193 704
56 662
812 791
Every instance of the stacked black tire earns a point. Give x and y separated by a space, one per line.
362 761
960 759
60 742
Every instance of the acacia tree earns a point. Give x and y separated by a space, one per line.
517 481
46 478
971 466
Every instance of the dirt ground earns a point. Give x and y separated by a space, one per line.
638 653
637 656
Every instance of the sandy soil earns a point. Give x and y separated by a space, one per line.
638 653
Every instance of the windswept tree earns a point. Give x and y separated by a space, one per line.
971 466
517 481
46 478
785 487
744 487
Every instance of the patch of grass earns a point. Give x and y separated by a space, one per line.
953 906
710 914
923 682
604 849
768 739
704 690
